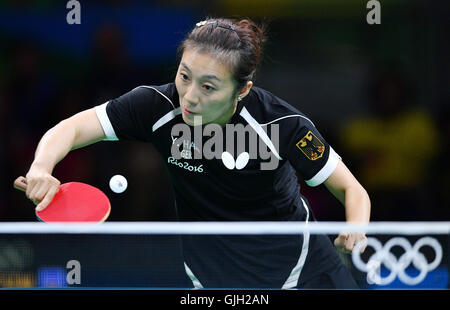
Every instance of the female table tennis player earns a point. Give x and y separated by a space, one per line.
213 85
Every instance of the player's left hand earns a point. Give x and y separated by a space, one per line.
345 242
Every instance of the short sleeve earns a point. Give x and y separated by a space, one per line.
310 154
130 116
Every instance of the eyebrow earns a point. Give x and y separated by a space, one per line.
207 76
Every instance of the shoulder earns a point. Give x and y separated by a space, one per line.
165 94
145 103
267 108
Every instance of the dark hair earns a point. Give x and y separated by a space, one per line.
237 42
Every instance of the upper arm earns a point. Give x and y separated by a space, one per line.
87 127
309 153
132 115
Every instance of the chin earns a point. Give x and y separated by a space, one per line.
191 120
188 121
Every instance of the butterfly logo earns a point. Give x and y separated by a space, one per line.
240 162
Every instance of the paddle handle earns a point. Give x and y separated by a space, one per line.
21 184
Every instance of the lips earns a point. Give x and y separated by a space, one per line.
186 111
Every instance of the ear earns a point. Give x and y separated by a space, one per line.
245 90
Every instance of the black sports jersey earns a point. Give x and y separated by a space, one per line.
238 185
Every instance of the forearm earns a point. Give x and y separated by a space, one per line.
357 205
54 146
344 186
75 132
80 130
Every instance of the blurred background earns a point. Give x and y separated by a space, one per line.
379 94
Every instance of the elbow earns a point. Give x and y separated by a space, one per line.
364 194
66 129
365 202
358 203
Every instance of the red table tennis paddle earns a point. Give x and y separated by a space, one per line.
75 202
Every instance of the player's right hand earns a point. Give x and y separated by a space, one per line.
41 187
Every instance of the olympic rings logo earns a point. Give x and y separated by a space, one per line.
397 266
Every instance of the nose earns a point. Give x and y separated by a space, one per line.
191 97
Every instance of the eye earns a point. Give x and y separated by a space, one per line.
184 77
208 87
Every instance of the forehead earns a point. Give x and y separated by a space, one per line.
202 63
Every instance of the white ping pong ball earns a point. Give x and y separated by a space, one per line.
118 184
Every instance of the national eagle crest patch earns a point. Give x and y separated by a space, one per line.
311 146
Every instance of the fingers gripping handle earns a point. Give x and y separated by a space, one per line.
21 184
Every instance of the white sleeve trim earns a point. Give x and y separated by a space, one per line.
166 118
326 171
110 134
